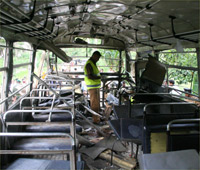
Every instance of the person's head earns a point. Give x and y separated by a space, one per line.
123 83
171 82
96 55
18 81
188 91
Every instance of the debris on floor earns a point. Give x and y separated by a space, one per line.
104 152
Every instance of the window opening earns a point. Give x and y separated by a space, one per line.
22 55
41 64
182 68
133 55
2 51
109 62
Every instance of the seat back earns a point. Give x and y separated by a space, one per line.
183 134
158 115
162 113
122 111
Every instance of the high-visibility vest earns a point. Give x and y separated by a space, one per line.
92 84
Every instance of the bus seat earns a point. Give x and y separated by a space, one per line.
129 130
158 115
56 117
42 164
122 111
179 160
49 128
42 143
183 134
156 119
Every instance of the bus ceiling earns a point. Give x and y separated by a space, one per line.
140 24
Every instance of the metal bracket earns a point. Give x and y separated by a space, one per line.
174 33
47 33
136 40
152 39
41 28
24 21
51 36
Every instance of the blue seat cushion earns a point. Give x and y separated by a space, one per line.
40 164
42 144
50 128
55 117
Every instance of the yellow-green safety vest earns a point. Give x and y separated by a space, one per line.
92 84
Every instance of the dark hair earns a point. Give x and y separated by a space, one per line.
187 90
171 81
107 91
96 53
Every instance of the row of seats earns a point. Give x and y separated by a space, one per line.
45 127
140 122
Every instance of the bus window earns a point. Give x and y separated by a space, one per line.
182 68
61 65
1 80
22 54
186 59
41 63
2 51
109 62
2 69
133 55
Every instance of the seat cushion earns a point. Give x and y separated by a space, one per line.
179 160
55 117
40 164
50 128
43 144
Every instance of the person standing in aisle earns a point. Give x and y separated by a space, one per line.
93 83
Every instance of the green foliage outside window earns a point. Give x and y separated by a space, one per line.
183 77
109 62
1 80
2 53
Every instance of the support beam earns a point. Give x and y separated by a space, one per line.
198 66
9 73
120 69
33 64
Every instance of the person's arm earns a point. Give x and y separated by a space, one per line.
90 73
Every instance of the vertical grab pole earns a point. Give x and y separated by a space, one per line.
198 66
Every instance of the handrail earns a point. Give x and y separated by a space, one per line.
35 111
57 95
15 93
36 90
33 152
61 98
181 121
190 98
150 94
37 123
168 103
58 77
44 83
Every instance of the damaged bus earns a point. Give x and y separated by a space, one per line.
149 92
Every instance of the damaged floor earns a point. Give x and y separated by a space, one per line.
96 150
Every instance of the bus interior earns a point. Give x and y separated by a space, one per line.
149 94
